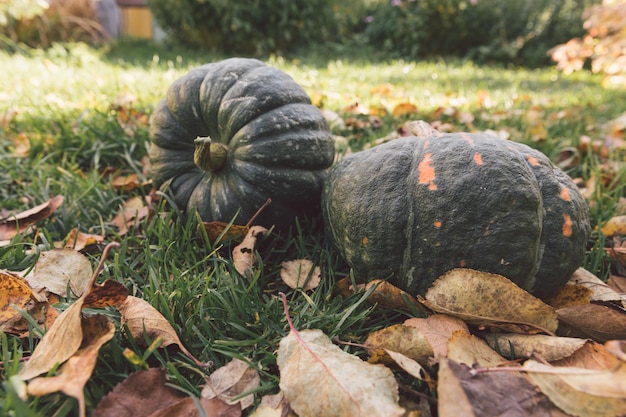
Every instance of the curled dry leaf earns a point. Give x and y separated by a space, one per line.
57 268
140 394
78 240
461 393
591 355
488 299
243 254
12 225
300 273
74 374
548 348
437 329
232 380
219 232
600 291
406 340
582 392
143 319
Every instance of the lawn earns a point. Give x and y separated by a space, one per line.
75 119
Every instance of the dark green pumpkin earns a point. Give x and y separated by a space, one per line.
415 208
229 135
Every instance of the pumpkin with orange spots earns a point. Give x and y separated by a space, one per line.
431 204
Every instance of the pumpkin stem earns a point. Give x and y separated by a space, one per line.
209 156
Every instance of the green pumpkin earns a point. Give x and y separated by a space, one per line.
414 208
230 135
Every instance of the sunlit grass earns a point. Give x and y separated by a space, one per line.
65 105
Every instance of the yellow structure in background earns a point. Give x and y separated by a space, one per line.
137 20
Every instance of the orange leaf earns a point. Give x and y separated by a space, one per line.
404 109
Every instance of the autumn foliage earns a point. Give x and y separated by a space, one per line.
603 46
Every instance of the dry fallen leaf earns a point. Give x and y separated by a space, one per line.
12 225
582 392
548 348
219 232
410 366
470 350
243 254
141 318
598 322
188 407
386 295
496 394
231 380
300 273
406 340
616 226
57 268
437 329
130 214
591 355
15 295
140 394
74 374
488 299
78 240
319 379
600 291
273 406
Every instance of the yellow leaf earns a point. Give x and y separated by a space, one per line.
403 109
616 226
548 348
488 299
15 295
582 392
406 340
75 373
470 350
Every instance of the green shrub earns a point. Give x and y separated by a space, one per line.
251 26
484 30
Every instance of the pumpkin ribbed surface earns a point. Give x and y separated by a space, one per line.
414 208
258 135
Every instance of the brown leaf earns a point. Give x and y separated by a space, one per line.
300 273
78 240
219 232
139 395
570 295
43 313
548 348
488 299
600 291
319 379
141 318
406 340
386 295
131 213
410 366
617 283
471 350
437 329
57 268
74 374
232 380
243 254
129 182
15 295
273 406
460 393
188 408
110 293
598 322
591 355
9 225
582 392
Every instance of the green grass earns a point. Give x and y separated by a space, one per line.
64 104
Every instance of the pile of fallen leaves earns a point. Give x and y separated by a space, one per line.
485 347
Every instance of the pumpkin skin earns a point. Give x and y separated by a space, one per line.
259 137
414 208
